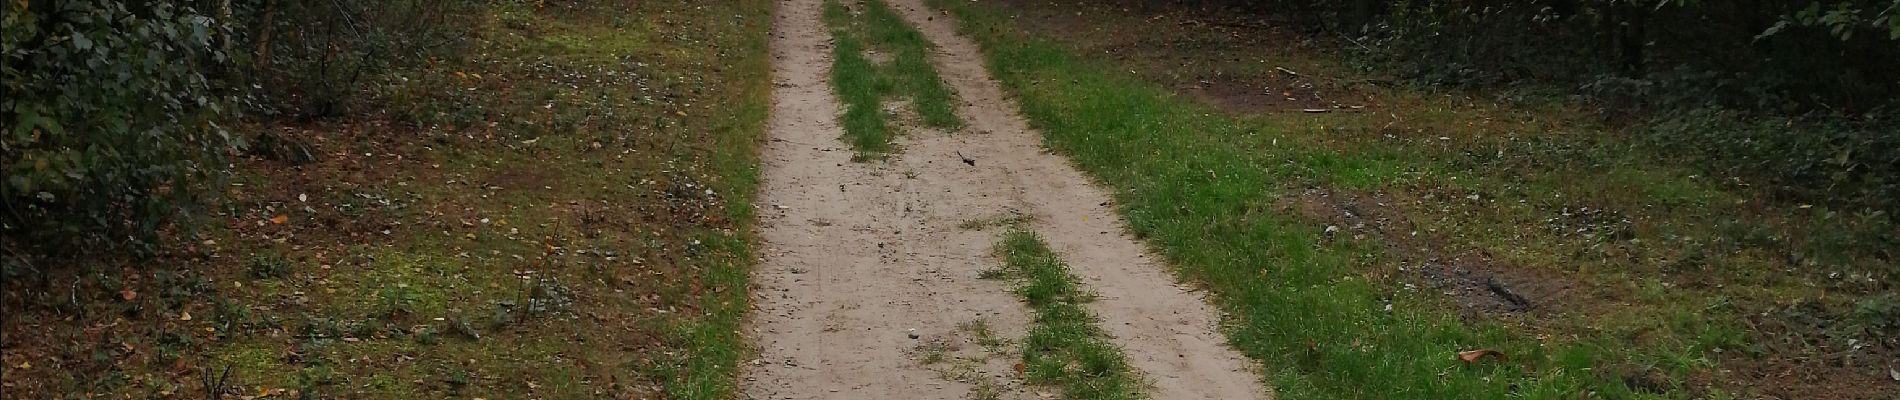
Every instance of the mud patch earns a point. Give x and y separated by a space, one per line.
1479 284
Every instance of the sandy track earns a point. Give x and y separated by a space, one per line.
859 256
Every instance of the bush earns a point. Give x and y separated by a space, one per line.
114 110
111 121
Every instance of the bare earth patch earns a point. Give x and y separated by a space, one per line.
1481 285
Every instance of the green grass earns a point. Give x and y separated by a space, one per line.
864 85
1205 187
1064 347
1664 266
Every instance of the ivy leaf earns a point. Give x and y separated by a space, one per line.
81 42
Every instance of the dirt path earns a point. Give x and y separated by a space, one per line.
865 263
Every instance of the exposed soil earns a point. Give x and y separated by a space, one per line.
867 263
1262 95
1192 52
1481 285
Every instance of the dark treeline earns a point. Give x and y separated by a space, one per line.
1783 55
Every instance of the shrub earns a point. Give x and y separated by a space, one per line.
111 122
114 110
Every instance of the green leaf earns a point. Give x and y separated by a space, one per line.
81 42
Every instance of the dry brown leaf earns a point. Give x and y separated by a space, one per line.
1473 356
279 219
128 294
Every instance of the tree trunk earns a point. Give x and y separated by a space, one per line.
263 37
1632 37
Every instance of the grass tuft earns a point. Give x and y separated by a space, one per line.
864 86
1064 348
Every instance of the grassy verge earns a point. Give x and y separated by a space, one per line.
877 59
1064 347
562 214
1180 179
1343 245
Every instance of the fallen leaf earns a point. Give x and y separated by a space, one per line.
1020 368
1473 356
184 315
279 219
128 294
26 365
